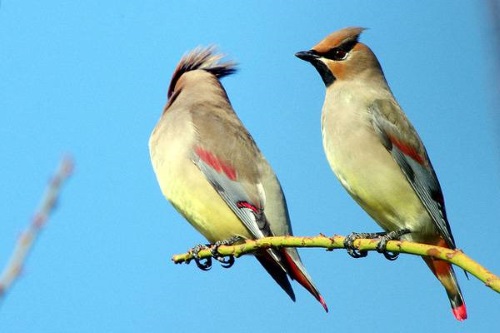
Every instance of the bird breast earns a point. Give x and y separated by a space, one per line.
364 166
184 185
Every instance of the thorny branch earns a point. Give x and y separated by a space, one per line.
455 257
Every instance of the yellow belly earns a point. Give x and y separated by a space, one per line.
185 186
203 208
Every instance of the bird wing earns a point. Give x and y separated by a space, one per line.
278 263
240 187
230 160
403 143
224 178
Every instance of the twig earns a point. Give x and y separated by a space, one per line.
455 257
28 237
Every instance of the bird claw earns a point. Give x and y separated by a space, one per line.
226 263
393 235
381 246
206 263
203 264
356 254
351 249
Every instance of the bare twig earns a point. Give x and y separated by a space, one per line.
28 237
456 257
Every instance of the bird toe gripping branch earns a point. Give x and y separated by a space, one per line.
383 237
351 249
214 249
206 263
387 236
203 263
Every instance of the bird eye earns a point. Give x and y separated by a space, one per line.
336 54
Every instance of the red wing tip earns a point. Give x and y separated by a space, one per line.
323 303
460 312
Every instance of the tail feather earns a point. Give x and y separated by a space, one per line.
446 275
286 262
297 272
277 273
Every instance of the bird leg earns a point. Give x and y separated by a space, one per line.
203 264
387 236
381 246
349 242
226 263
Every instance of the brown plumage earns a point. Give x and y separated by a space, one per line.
209 167
377 154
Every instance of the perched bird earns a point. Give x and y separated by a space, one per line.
376 153
210 169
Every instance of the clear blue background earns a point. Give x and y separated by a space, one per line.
90 78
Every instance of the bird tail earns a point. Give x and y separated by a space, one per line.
289 263
446 275
298 272
276 271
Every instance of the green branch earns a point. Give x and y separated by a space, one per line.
455 257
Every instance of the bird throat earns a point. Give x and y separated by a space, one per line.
324 72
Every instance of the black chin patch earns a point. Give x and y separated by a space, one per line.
324 72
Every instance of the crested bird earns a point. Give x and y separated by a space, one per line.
376 153
210 169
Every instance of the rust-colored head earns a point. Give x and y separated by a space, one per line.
340 56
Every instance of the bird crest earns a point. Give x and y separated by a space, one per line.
204 58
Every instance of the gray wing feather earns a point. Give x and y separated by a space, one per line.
422 178
233 193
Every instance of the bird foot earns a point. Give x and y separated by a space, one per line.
349 243
226 263
387 236
203 264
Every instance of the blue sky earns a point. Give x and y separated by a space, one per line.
90 78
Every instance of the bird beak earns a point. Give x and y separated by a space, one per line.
309 56
314 58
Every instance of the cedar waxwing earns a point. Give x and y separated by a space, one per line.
210 169
376 153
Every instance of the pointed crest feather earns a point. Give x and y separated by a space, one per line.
204 58
339 38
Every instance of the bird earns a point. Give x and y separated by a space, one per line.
210 169
376 153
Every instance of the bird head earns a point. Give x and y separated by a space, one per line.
340 56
